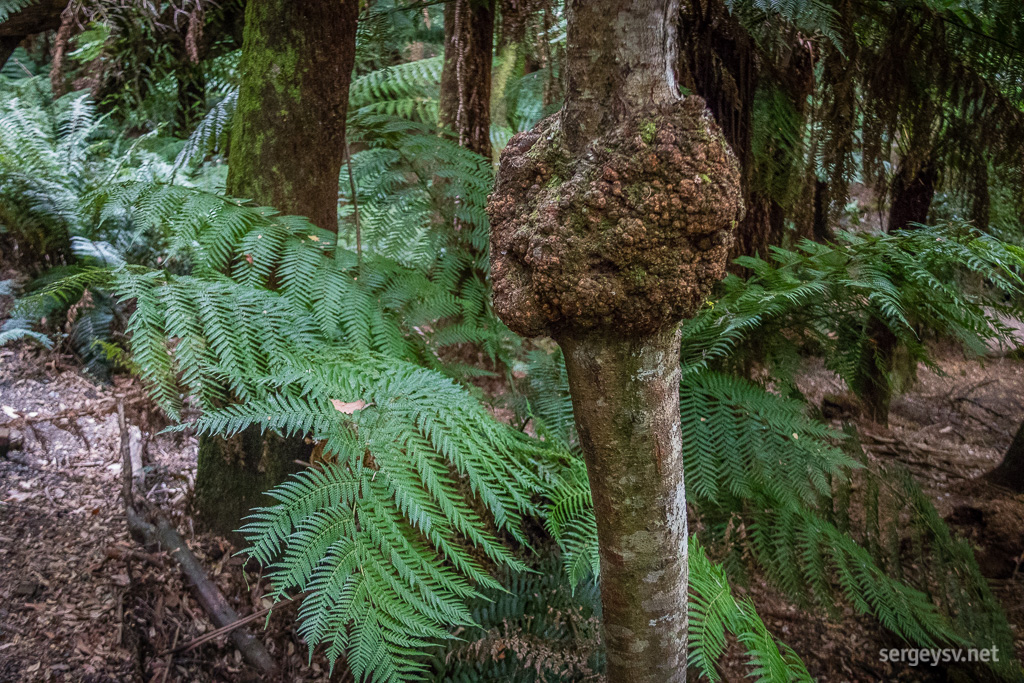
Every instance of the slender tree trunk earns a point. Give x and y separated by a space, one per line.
287 149
465 105
912 193
1010 472
586 248
191 82
625 396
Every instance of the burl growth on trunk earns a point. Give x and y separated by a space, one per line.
630 236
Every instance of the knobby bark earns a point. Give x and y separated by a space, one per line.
610 222
287 149
465 105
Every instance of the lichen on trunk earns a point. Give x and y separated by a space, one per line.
625 394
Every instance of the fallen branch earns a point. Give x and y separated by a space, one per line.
206 637
167 537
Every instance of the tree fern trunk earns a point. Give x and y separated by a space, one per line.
287 149
585 248
912 193
877 362
465 105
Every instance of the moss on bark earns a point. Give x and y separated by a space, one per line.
234 474
288 138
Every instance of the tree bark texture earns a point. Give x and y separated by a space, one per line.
620 59
1010 472
288 137
625 395
610 223
514 17
287 150
233 474
465 105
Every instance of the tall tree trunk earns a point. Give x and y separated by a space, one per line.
288 137
465 105
287 149
1010 472
610 222
514 16
912 191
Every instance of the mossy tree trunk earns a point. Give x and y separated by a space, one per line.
288 136
287 149
465 105
610 223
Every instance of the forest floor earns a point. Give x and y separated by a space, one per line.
81 601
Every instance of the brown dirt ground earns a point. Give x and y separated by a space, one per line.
79 602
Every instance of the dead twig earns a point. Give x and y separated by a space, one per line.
223 630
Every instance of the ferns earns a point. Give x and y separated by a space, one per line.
715 612
409 90
762 477
833 298
378 536
9 7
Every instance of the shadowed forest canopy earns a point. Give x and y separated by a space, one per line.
511 340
